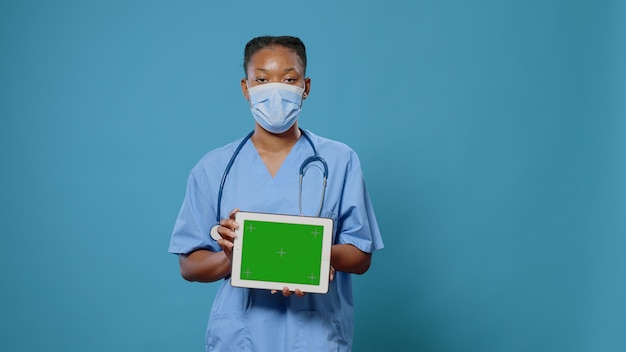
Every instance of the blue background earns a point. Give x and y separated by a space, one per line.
492 135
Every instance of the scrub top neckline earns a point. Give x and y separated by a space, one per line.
256 158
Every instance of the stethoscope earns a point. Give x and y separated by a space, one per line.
306 164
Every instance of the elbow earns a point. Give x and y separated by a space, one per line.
363 264
187 275
350 259
203 266
187 271
363 267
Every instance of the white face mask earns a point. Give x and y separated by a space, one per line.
275 106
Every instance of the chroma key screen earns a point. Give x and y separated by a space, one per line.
281 252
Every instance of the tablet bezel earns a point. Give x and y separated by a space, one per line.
236 273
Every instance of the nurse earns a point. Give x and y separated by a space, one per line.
264 177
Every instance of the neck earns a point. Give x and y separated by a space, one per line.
275 142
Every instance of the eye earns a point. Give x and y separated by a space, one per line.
290 80
261 80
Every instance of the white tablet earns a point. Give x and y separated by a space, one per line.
272 251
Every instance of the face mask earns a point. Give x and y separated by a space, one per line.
275 106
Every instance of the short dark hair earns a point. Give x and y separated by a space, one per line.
292 43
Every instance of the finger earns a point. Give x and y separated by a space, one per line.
225 244
332 273
227 229
273 292
226 234
299 292
286 291
232 213
229 223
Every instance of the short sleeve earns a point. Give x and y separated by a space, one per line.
357 220
195 219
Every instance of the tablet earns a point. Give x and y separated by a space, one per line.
272 251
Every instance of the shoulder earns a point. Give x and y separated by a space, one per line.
331 148
338 155
217 158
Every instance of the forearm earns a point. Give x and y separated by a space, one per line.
348 258
204 266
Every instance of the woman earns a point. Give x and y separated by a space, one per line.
264 177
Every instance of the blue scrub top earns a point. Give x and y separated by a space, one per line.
255 320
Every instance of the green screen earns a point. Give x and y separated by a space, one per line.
281 252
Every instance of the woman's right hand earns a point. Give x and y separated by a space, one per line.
227 231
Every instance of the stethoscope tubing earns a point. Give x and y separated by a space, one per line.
315 157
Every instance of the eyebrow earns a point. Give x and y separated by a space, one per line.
285 70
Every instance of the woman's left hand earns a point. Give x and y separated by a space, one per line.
286 292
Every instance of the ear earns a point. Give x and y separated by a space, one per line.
244 88
307 88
